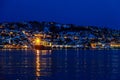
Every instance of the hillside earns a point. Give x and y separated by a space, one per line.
20 33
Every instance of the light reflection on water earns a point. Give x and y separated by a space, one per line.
43 63
59 65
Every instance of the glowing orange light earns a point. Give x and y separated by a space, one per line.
37 41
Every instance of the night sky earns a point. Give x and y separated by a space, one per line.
81 12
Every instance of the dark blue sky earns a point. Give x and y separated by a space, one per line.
81 12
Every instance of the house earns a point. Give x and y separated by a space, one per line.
97 45
114 45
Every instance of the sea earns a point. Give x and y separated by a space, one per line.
73 64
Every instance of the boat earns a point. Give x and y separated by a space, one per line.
42 47
40 44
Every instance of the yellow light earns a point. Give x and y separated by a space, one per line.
50 44
25 46
37 41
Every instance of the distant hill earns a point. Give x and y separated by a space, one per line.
20 34
57 28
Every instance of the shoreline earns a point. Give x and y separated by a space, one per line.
60 49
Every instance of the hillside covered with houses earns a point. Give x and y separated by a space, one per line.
22 35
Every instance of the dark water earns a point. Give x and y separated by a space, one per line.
60 65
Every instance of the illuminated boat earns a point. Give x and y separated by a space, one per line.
41 45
